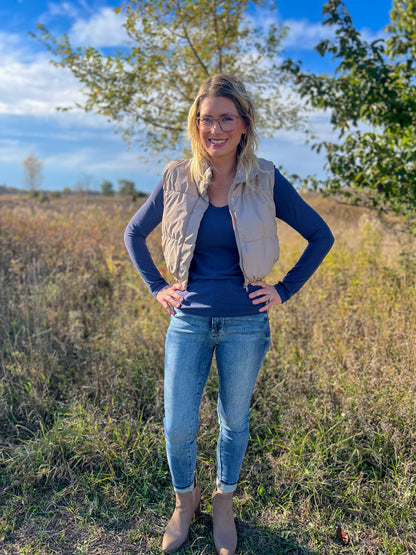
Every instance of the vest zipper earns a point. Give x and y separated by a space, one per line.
236 232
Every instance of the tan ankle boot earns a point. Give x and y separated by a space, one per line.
176 534
225 533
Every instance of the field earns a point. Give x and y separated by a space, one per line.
333 425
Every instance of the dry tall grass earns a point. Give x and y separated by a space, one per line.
82 464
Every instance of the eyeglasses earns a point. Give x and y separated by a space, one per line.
226 123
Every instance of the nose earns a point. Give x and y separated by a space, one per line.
216 127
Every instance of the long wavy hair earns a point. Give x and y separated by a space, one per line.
230 87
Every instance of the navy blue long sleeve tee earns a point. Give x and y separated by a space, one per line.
215 285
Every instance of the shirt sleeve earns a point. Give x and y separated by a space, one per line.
140 226
292 209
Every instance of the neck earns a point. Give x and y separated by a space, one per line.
224 169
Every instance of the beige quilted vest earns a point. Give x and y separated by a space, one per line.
252 211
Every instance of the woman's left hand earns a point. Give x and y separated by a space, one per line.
266 294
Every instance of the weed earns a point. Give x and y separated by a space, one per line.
333 420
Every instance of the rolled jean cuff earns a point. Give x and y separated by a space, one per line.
185 490
226 488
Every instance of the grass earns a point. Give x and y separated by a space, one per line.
333 426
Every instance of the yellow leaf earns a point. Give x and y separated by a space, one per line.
118 10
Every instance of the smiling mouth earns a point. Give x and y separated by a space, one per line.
218 142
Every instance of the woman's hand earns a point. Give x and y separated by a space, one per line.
266 294
169 297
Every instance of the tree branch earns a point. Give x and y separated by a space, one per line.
195 53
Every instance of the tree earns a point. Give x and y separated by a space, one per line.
176 44
107 188
32 169
127 188
372 98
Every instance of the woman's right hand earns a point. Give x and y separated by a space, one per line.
169 296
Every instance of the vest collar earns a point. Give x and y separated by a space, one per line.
240 177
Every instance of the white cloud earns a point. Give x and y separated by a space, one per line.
12 151
34 87
289 149
12 48
304 35
62 9
301 33
293 156
97 163
91 159
29 83
104 159
370 36
103 29
318 125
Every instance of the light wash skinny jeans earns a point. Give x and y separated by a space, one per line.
240 344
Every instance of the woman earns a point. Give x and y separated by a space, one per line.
218 212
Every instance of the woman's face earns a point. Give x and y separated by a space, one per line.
219 144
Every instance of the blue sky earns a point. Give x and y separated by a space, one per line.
82 147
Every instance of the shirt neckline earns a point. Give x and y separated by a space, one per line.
218 207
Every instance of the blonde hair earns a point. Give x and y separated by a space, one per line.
230 87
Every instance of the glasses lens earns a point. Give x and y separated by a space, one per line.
206 122
226 123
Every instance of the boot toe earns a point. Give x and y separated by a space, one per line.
170 544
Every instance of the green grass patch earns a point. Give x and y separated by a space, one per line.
82 454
